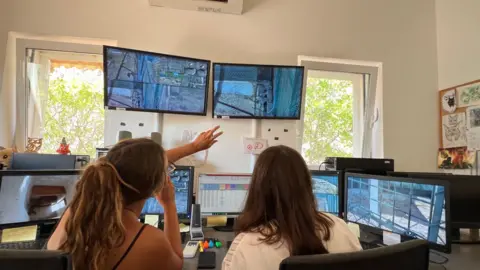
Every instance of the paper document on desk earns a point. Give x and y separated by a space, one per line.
28 233
184 228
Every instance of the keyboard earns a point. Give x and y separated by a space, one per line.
369 245
38 244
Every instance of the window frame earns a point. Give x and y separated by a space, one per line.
372 138
22 95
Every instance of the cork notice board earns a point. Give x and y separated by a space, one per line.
459 127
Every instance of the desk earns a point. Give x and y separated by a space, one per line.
463 257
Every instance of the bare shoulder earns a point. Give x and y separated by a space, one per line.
154 249
155 239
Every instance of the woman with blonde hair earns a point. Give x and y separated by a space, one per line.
101 228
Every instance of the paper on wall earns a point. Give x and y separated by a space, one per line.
473 139
454 130
254 146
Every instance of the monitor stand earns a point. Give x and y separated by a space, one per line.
227 228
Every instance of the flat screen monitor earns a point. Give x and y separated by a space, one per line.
33 197
182 179
153 82
464 194
327 191
412 208
257 91
222 194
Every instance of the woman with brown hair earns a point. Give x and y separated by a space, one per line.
280 217
101 230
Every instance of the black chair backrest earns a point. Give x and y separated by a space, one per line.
410 255
34 259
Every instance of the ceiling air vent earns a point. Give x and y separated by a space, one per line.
216 6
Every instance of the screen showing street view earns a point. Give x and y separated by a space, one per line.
325 190
410 209
257 91
181 181
152 82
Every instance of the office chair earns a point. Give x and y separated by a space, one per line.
34 259
411 255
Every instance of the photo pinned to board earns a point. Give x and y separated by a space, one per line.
455 158
468 95
473 117
454 130
449 101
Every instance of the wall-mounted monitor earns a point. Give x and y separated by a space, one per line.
153 82
257 91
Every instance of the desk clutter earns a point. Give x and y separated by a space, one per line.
428 206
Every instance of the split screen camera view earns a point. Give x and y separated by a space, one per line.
155 82
410 209
152 82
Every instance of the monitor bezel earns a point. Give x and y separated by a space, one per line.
447 248
33 173
339 188
105 84
191 170
257 117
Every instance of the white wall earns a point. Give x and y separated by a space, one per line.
401 34
5 26
458 41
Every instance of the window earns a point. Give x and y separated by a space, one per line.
65 100
333 115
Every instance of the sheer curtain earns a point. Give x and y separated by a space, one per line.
8 100
37 92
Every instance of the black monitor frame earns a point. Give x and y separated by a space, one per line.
47 222
340 188
182 216
257 117
106 84
377 231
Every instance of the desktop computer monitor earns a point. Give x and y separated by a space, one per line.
34 197
327 191
182 179
464 194
222 194
412 208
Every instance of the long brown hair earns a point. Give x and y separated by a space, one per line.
131 171
281 206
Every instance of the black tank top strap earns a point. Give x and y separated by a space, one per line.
130 246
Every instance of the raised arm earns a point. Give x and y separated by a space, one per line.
203 142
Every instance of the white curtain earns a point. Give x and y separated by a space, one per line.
8 99
37 84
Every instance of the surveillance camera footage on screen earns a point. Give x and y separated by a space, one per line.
410 209
181 181
325 189
146 81
253 91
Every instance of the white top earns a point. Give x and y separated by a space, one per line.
247 252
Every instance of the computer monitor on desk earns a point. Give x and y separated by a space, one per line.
182 178
222 194
464 202
412 208
327 189
35 197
